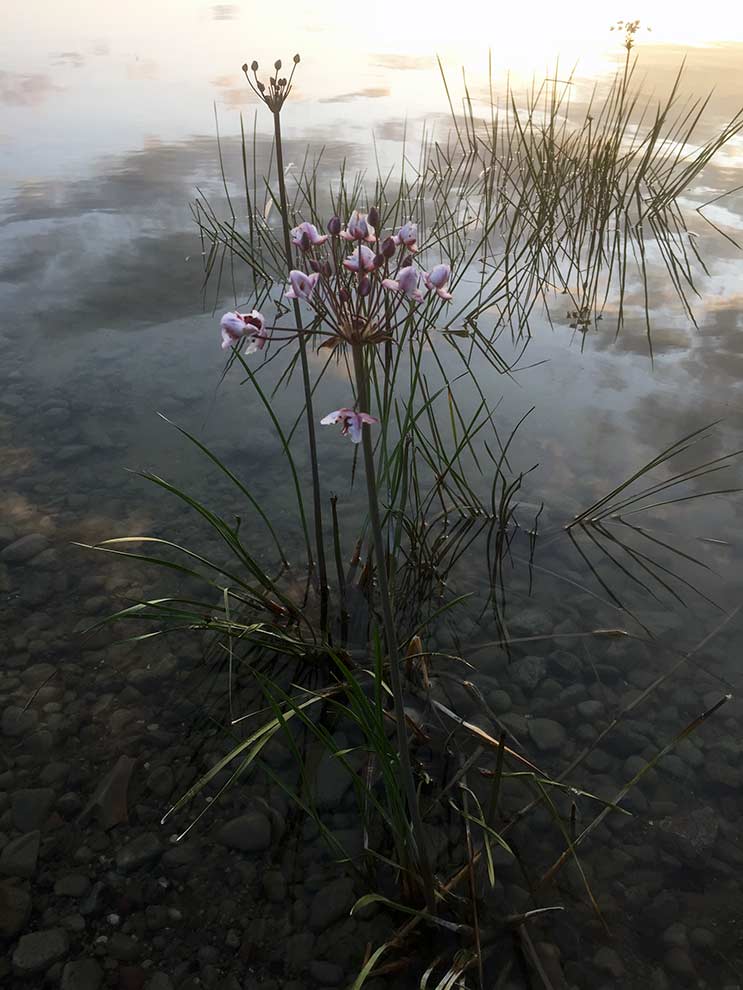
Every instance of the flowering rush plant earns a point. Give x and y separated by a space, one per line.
362 287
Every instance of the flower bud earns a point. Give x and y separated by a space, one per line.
272 80
379 260
334 226
254 66
277 64
296 59
245 66
304 241
406 261
314 265
365 286
344 295
372 217
325 269
282 82
388 247
261 87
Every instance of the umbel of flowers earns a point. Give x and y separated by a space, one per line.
361 287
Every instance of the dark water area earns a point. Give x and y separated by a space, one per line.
105 325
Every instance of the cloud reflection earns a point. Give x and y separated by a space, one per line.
369 93
17 90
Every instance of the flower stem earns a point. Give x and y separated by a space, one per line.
418 835
319 545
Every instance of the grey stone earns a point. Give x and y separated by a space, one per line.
36 952
71 885
31 807
677 961
299 949
327 974
17 722
123 948
701 938
500 702
590 709
24 549
144 849
333 781
331 903
15 909
19 856
528 672
161 781
248 833
159 981
607 960
546 734
82 974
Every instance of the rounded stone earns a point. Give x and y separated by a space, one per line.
82 974
248 833
546 734
39 950
15 909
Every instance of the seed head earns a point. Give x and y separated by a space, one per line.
277 64
254 65
296 59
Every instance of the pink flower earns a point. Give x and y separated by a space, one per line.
301 285
362 256
314 237
407 235
236 325
359 229
352 422
436 280
406 281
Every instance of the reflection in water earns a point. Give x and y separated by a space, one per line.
94 254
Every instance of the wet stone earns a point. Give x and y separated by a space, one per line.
39 950
248 833
331 903
17 722
326 974
144 849
528 672
31 807
19 856
123 947
24 549
15 909
82 974
607 960
72 885
547 735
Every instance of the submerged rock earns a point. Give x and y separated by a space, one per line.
547 735
20 856
36 952
248 833
15 909
24 549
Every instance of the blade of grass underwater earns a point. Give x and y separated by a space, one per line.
234 479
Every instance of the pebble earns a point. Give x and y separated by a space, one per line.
82 974
248 833
327 974
36 952
31 807
607 960
20 856
17 722
331 903
24 549
546 734
71 885
144 849
15 909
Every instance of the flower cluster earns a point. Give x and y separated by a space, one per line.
361 286
358 282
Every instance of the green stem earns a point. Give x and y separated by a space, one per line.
319 545
419 838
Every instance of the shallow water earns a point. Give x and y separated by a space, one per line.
106 131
